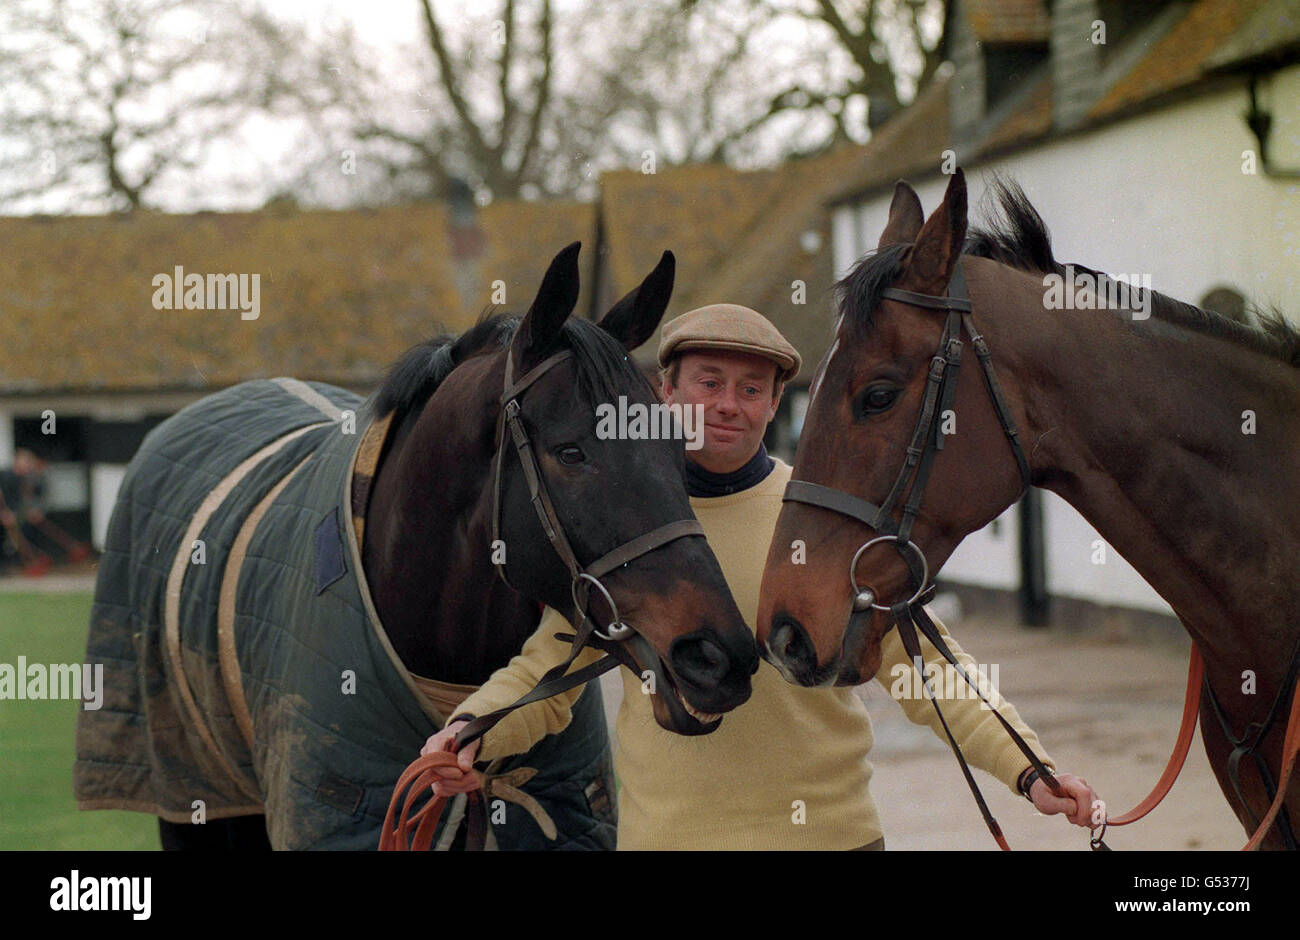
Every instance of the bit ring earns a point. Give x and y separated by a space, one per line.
861 595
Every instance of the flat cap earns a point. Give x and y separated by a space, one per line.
728 327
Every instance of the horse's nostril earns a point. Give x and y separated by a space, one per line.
789 642
701 659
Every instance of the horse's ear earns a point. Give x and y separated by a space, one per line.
905 217
938 247
555 300
633 319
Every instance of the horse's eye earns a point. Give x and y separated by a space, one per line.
569 454
877 398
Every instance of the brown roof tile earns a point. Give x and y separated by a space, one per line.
521 240
698 212
1178 58
1270 34
1033 120
1008 21
913 141
342 293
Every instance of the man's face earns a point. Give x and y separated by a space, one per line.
739 394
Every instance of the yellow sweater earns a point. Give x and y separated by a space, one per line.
786 770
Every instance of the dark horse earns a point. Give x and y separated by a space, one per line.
429 559
445 609
1140 423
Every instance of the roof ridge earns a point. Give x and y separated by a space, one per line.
753 253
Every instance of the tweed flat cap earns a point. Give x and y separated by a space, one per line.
728 327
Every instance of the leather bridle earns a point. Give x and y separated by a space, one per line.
926 442
583 578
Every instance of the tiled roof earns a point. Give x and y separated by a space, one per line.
738 237
912 142
1032 120
1008 21
1180 57
521 240
342 293
698 212
792 245
1184 56
1272 32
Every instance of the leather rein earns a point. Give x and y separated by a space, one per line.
910 615
404 829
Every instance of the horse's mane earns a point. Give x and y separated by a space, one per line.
603 365
1018 237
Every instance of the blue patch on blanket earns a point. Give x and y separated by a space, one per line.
330 565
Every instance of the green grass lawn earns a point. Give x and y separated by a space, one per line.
37 739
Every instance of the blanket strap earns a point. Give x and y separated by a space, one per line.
172 599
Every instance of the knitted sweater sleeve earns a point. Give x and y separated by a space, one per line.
983 740
519 731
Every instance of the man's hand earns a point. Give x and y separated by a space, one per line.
1076 804
458 779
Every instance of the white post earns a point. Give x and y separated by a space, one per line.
6 438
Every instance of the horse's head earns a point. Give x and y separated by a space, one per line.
866 401
608 485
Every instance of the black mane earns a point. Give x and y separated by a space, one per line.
604 366
1018 237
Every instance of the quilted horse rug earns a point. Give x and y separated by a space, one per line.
246 670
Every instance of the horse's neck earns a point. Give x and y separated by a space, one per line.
1142 429
1149 442
427 554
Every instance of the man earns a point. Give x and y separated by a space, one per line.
22 491
788 769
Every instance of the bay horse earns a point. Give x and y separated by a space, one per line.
1176 435
224 673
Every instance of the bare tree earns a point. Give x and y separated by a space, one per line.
485 111
104 99
776 78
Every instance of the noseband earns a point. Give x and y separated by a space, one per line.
583 578
926 442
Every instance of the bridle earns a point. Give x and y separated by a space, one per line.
583 578
926 442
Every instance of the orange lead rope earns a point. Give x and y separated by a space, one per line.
1191 703
422 774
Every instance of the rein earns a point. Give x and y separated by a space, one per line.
425 770
1248 744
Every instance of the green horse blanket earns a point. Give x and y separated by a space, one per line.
246 670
